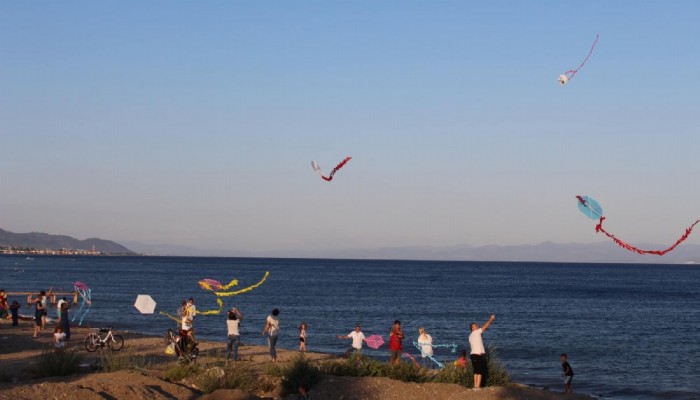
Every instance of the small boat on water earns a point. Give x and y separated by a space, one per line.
29 258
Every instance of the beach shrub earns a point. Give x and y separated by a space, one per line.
458 375
497 375
180 372
359 365
273 370
58 363
406 372
111 361
234 377
299 373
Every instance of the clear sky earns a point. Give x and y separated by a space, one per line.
194 122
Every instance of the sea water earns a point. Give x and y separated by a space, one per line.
631 331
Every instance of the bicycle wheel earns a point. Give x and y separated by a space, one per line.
116 344
91 343
169 335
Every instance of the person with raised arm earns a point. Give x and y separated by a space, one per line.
478 352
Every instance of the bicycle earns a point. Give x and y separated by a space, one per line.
94 340
184 352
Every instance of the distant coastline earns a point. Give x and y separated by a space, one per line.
60 252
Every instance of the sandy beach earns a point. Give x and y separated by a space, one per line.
19 351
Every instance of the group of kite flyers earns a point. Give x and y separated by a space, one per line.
40 305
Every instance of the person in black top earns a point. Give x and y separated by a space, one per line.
568 374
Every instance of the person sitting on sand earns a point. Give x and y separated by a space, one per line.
461 362
357 338
59 337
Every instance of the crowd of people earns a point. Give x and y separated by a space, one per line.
477 357
40 306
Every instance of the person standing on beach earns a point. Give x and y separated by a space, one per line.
38 311
58 307
65 319
425 342
302 337
272 329
234 338
395 343
14 309
4 307
357 338
568 374
478 353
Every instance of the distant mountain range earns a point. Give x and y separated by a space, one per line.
603 252
41 241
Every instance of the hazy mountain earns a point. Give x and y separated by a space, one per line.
603 252
41 241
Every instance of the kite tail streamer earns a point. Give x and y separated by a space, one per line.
412 359
337 167
627 246
213 311
248 289
170 316
229 285
574 71
80 323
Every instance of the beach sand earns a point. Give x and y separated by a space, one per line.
18 352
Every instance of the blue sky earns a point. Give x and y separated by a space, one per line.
194 123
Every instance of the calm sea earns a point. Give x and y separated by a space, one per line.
631 331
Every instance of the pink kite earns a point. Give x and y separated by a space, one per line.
80 285
590 208
568 75
374 341
329 178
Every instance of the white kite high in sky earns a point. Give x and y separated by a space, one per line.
568 75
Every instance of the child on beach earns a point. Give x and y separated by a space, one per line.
59 337
461 362
14 309
302 337
568 374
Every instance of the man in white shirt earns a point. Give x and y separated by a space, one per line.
478 353
357 338
58 308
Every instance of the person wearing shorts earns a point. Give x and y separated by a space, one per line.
478 353
357 338
568 374
395 343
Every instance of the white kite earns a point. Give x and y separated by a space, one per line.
568 75
145 304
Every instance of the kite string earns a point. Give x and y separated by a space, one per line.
438 363
627 246
574 71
